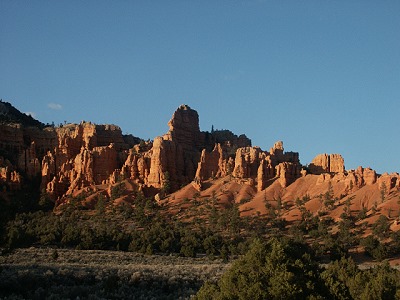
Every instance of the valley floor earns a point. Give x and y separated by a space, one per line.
46 273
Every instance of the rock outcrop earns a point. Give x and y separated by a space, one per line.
176 154
87 156
287 173
327 163
74 156
10 179
212 164
184 128
251 163
28 161
387 181
265 172
247 161
182 155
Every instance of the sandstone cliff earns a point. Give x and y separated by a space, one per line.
327 163
181 155
90 157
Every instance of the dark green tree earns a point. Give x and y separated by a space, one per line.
272 270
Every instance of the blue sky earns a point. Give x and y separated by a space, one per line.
323 76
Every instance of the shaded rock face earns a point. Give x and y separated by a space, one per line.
229 142
9 178
21 150
29 162
12 141
23 147
184 128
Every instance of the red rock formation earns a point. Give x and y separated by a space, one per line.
9 178
388 181
182 151
77 157
336 163
184 128
287 173
277 149
284 166
369 176
323 178
327 163
158 162
12 139
91 167
246 162
211 164
177 153
137 166
359 177
28 161
82 173
48 170
227 140
85 154
265 172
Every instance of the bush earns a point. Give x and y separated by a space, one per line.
374 248
285 270
272 270
346 281
381 226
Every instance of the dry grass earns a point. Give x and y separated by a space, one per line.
37 273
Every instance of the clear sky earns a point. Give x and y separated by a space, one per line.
323 76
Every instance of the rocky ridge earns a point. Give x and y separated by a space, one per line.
92 158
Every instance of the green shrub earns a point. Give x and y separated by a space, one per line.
374 248
346 281
272 270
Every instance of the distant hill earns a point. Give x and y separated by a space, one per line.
9 114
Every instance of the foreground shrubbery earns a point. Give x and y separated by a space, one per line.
282 268
286 270
79 230
274 269
195 227
36 273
